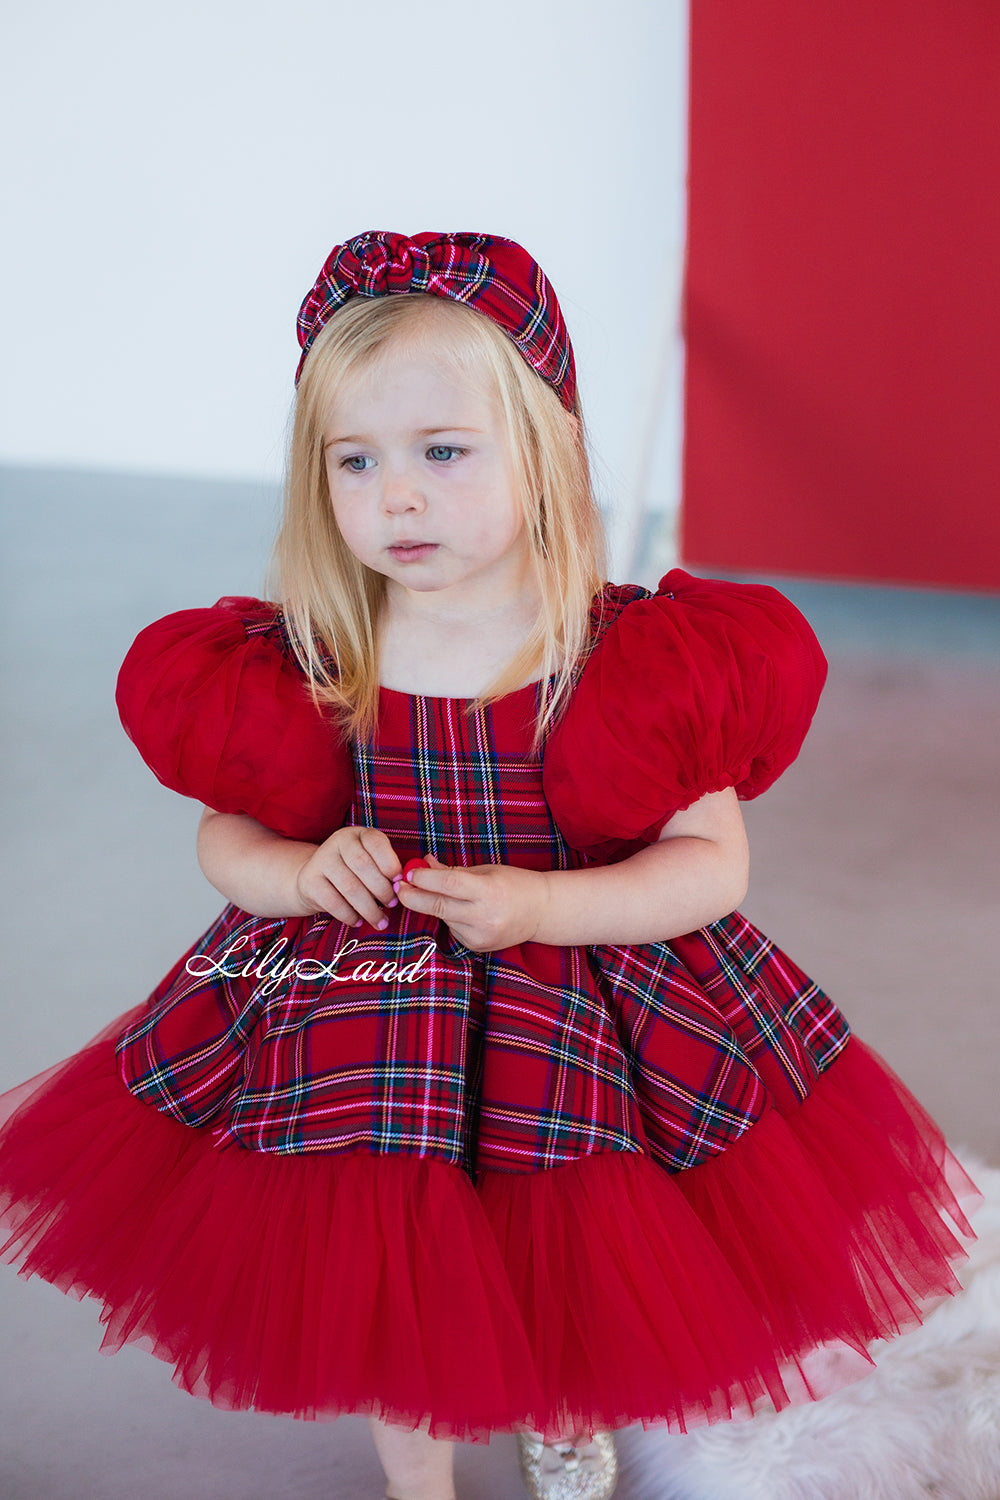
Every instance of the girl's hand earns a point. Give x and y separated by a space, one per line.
485 907
349 875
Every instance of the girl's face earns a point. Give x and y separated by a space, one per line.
422 485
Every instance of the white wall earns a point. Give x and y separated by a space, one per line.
181 172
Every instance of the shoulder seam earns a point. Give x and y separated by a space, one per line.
276 629
605 608
609 604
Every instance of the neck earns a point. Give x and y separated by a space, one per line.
448 650
445 609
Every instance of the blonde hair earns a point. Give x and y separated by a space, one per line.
332 601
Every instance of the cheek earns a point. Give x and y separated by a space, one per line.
346 519
340 501
497 511
509 520
489 528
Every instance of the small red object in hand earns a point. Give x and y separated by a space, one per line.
411 864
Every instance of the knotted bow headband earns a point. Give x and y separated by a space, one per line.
493 276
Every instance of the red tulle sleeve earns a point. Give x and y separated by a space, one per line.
219 710
700 686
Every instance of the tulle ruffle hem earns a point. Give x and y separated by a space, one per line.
594 1295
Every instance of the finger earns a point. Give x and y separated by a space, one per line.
447 880
329 899
429 903
411 864
381 851
360 860
355 891
436 894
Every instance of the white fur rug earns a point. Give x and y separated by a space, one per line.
925 1422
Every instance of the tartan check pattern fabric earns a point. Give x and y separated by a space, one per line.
486 272
304 1035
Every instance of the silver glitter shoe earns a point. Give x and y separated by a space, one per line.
563 1471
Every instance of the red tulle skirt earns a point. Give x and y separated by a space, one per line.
593 1295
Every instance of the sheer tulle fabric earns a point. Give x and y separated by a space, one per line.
703 686
223 715
600 1293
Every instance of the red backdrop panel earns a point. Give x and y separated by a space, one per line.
842 305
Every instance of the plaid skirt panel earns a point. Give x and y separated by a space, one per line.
304 1035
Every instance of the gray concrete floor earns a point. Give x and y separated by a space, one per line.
874 865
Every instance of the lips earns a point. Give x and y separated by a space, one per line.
405 550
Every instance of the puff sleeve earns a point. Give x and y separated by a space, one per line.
219 710
700 686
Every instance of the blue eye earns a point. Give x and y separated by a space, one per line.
443 453
357 463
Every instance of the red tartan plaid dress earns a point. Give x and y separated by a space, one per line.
343 1170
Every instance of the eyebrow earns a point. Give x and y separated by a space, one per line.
423 432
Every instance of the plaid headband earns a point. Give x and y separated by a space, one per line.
491 275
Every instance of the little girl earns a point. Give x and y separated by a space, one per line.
480 1108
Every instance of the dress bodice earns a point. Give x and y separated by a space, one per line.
465 786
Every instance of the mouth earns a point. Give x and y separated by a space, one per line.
411 551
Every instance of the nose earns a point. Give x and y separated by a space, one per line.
401 490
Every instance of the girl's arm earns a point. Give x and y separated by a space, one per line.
271 876
694 874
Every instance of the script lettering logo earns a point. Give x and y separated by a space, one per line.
273 970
